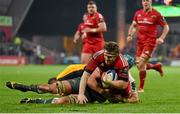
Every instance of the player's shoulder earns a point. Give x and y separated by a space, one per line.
139 11
121 61
156 12
98 54
99 15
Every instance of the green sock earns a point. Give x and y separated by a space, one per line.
35 88
49 101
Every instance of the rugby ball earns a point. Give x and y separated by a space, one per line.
109 75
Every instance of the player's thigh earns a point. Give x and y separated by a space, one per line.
144 52
139 50
98 46
87 48
147 52
85 57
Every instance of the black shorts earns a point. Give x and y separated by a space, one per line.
91 95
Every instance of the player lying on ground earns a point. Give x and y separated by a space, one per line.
72 71
65 87
91 95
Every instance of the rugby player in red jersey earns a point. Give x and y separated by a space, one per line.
91 32
79 33
146 21
106 59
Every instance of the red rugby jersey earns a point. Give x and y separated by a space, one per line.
147 23
120 65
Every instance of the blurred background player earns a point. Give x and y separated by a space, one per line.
79 33
146 21
91 31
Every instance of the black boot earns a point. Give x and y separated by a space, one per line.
28 100
21 87
36 101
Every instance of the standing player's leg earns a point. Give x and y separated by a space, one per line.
85 57
86 53
141 61
141 64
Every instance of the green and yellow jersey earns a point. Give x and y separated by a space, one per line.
71 71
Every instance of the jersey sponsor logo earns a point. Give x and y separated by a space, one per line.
88 22
145 21
153 16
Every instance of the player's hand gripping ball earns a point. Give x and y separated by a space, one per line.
107 77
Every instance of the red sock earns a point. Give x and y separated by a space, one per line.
142 75
150 66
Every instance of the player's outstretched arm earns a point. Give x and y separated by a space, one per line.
81 97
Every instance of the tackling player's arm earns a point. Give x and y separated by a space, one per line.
87 72
118 84
81 97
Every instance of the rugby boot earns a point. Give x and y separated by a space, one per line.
159 69
140 90
18 86
29 100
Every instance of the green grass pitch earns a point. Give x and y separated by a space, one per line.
162 94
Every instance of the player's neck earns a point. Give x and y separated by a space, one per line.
148 10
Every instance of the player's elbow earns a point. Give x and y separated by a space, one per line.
124 85
105 29
167 28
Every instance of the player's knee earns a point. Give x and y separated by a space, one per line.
141 64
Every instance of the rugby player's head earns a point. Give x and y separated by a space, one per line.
111 52
147 5
91 7
52 80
